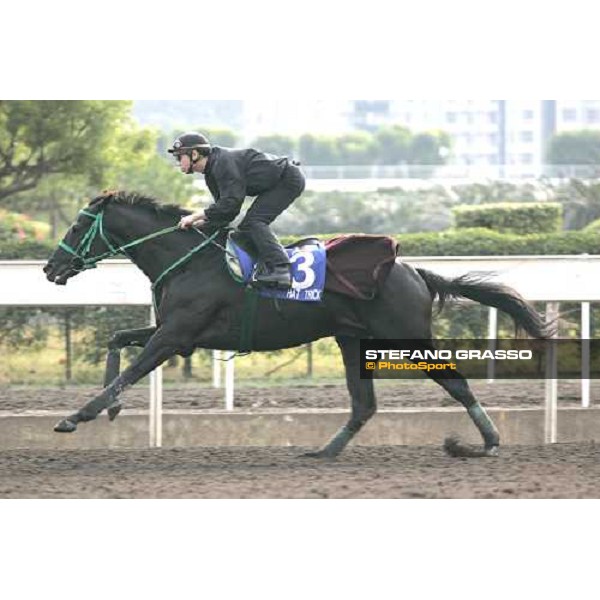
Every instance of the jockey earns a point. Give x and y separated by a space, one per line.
233 174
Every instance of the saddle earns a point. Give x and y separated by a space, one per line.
307 260
353 265
359 264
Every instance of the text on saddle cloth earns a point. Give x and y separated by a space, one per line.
308 262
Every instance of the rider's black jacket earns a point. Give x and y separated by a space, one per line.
233 174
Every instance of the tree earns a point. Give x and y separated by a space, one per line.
280 145
427 148
155 178
56 199
581 202
130 162
318 149
393 143
21 327
41 138
15 226
357 148
389 145
384 211
574 148
593 226
138 167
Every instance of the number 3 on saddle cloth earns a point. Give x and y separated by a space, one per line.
307 258
352 265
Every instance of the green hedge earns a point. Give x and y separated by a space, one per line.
483 242
513 217
461 242
593 226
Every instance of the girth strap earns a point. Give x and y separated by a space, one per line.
248 325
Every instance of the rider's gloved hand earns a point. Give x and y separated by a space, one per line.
194 220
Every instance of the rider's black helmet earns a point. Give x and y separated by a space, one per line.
190 141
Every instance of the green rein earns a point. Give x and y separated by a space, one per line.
89 262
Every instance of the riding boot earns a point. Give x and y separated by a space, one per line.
275 268
278 276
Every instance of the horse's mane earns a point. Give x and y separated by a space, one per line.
139 200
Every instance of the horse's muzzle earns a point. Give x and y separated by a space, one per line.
58 275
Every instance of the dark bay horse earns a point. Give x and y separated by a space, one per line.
199 305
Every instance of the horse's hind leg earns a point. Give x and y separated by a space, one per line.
403 311
120 340
363 399
456 385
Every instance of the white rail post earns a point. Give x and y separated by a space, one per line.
156 381
492 335
217 367
585 354
229 379
551 400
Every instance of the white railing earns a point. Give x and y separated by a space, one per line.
552 279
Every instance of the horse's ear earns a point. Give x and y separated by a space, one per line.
107 196
110 194
102 199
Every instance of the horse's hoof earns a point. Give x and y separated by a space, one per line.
114 409
311 455
453 447
318 454
456 449
65 426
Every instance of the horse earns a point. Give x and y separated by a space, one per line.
199 305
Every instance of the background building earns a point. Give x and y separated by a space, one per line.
487 135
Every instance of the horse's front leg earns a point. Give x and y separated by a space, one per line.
161 346
120 340
123 339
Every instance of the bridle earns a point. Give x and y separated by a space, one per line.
81 254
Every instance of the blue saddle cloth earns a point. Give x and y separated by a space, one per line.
308 261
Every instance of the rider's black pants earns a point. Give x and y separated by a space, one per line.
265 209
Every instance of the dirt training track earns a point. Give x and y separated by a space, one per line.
390 394
553 471
565 470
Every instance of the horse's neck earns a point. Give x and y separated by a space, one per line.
154 255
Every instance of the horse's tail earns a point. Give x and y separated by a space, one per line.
475 286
